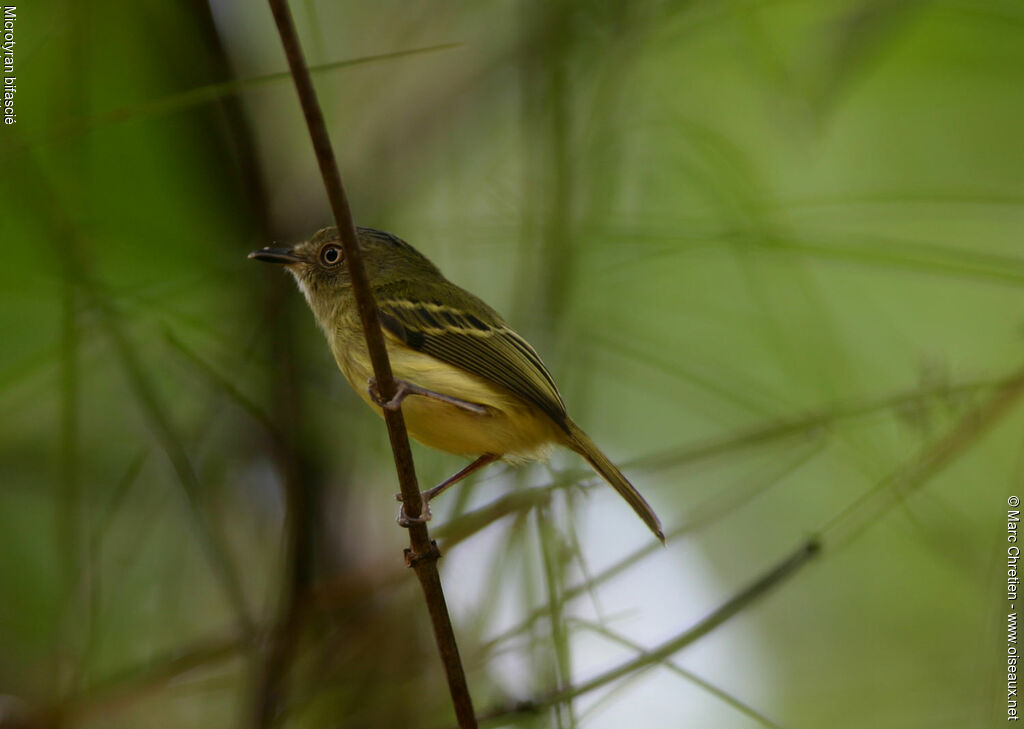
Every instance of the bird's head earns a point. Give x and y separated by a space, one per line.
319 268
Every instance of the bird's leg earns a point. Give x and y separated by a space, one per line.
403 389
405 520
485 460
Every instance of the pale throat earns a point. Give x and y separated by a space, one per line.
323 308
300 282
329 311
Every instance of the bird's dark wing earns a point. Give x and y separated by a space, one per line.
466 333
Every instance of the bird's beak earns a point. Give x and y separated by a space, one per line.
276 255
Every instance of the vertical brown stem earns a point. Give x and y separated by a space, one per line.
422 554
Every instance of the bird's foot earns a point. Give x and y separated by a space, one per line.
403 389
404 520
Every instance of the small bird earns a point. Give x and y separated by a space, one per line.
466 382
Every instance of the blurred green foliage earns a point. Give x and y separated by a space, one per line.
770 250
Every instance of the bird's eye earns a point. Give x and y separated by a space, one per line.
330 255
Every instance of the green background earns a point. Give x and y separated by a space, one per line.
771 251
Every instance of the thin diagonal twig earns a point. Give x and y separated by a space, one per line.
778 574
705 513
846 526
423 554
185 100
726 697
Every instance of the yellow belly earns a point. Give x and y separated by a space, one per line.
511 428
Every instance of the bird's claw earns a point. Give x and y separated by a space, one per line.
403 389
395 402
404 520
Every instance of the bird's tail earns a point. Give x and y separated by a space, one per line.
581 443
